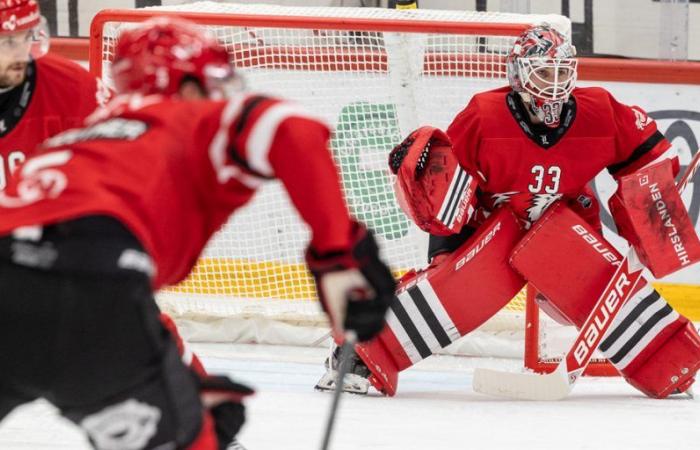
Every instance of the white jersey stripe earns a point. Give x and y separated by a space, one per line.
220 144
263 133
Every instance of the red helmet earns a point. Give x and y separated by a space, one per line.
22 15
159 55
542 68
18 15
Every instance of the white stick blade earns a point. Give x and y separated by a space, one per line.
522 386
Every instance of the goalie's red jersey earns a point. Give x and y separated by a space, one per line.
531 167
173 171
56 95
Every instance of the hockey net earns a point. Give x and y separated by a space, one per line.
375 75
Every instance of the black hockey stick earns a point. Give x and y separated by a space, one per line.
344 358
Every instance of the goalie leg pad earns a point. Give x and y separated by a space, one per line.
435 307
669 364
650 214
560 250
638 342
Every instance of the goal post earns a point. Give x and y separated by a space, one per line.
374 75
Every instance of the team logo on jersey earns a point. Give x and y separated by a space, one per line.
529 207
39 179
642 119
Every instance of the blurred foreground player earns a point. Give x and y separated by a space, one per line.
505 195
41 95
102 216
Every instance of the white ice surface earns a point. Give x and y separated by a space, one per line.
435 409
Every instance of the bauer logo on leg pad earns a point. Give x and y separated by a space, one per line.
128 425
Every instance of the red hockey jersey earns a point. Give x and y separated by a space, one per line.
531 167
57 94
173 171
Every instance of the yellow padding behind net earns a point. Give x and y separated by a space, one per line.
241 278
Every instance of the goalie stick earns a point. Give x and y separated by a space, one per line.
558 384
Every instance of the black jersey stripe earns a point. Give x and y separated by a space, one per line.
644 148
429 316
410 328
643 330
249 105
631 317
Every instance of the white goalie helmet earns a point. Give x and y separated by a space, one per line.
542 68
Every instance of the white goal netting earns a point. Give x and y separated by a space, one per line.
374 75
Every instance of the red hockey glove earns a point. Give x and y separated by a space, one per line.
431 187
223 398
355 287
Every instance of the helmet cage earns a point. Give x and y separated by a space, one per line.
547 79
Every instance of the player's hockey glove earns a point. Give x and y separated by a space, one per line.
223 398
355 287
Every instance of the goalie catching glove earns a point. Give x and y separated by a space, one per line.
355 287
431 187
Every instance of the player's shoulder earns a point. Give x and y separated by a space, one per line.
592 93
482 105
488 99
256 109
57 66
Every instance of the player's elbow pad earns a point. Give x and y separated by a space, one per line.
431 187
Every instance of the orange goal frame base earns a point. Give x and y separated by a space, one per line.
596 368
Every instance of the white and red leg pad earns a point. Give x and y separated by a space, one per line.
435 307
656 349
650 214
649 342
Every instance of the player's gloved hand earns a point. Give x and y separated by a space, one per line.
223 398
355 287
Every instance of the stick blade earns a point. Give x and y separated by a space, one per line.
521 386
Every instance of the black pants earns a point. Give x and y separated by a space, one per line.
94 347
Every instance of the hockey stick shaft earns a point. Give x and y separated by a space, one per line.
559 383
346 352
